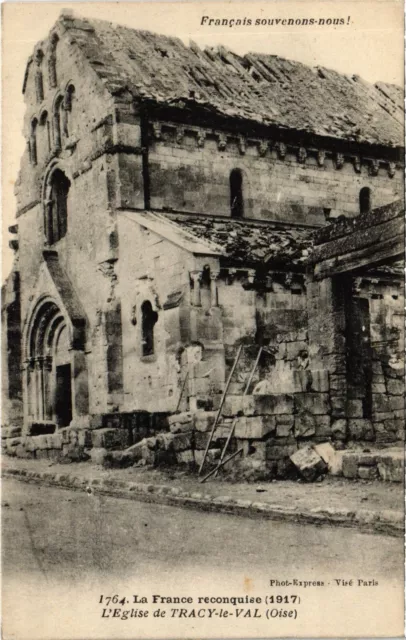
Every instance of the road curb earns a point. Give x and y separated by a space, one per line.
386 522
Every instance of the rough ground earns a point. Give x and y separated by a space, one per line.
334 500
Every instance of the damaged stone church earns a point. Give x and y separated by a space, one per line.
187 214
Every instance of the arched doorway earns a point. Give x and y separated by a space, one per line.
49 360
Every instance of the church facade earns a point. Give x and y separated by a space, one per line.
168 206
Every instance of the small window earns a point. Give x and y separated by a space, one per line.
52 79
56 215
69 110
236 196
45 134
39 82
57 123
148 320
365 200
33 141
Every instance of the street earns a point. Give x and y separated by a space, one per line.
65 542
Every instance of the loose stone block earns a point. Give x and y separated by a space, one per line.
350 465
325 451
309 463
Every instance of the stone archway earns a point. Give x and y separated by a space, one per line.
52 368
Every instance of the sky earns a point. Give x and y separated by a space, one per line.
369 44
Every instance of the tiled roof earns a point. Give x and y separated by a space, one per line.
248 242
261 88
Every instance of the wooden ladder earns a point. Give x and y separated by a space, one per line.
223 461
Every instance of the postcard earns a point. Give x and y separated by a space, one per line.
203 320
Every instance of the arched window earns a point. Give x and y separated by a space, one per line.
236 196
39 83
44 135
57 122
148 320
365 200
56 212
33 141
52 78
69 110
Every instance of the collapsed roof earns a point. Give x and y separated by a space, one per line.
264 89
236 241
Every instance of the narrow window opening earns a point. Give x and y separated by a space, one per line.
365 200
57 207
57 129
39 82
52 79
149 318
33 141
45 134
69 110
236 194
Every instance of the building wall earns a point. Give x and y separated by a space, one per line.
151 268
192 174
103 176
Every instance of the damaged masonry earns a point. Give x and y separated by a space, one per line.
208 261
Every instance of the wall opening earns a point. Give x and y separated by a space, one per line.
45 136
57 123
39 82
63 395
365 200
33 141
236 194
148 319
56 212
52 77
69 102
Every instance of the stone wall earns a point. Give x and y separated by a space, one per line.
190 171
